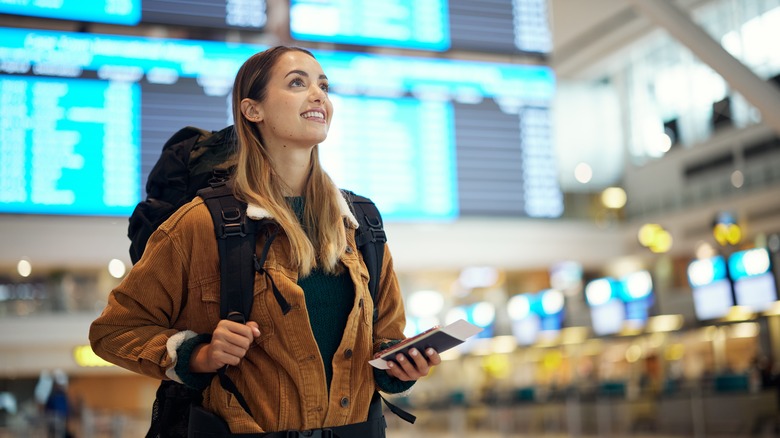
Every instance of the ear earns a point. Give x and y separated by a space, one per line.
252 110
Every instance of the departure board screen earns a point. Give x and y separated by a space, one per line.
394 23
497 26
407 150
68 146
250 14
84 118
126 12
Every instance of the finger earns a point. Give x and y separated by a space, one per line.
433 356
244 330
235 333
255 328
225 347
397 371
223 358
229 339
420 362
405 364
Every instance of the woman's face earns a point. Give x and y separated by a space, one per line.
296 110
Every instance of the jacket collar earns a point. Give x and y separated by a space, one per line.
254 211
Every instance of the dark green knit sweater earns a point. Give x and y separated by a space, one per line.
329 299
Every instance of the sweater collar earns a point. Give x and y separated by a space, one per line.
255 212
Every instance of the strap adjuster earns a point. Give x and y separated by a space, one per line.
231 230
378 235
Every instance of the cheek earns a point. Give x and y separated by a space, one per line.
329 109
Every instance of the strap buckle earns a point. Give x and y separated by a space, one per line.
230 230
378 235
219 177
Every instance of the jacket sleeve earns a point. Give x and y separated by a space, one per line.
390 323
136 328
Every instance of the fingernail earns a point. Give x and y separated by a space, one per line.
414 353
430 351
400 358
256 331
390 365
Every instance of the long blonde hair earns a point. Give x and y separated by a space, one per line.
321 239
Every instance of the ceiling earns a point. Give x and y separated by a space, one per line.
589 35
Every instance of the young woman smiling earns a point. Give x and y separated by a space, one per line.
301 370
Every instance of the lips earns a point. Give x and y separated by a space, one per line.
314 115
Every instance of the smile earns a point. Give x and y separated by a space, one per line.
315 115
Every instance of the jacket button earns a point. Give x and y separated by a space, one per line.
349 250
348 353
344 402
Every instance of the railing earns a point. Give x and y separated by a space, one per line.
758 175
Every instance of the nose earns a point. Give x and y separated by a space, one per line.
317 94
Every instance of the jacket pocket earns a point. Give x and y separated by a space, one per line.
211 297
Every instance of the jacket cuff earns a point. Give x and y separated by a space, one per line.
180 371
385 382
390 385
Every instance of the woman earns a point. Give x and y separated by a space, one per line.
303 370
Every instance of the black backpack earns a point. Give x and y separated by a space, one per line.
198 162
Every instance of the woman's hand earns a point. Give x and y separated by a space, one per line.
229 343
413 366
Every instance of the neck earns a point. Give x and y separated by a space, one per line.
292 167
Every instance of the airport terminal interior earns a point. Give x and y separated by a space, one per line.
595 184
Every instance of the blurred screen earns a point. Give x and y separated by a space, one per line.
249 14
758 292
396 23
608 318
203 13
526 330
519 26
713 300
85 117
83 155
126 12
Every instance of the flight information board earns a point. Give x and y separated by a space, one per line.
68 146
427 139
498 26
405 150
126 12
395 23
250 14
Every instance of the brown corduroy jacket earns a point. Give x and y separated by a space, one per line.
172 294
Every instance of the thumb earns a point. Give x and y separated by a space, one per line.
255 328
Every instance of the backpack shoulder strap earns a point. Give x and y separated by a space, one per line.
370 238
236 239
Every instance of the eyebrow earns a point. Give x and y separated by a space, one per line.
303 73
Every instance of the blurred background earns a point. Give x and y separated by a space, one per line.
594 182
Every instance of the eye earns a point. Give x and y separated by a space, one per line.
325 87
297 82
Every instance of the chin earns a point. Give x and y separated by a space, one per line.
317 139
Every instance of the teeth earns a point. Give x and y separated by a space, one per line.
316 114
